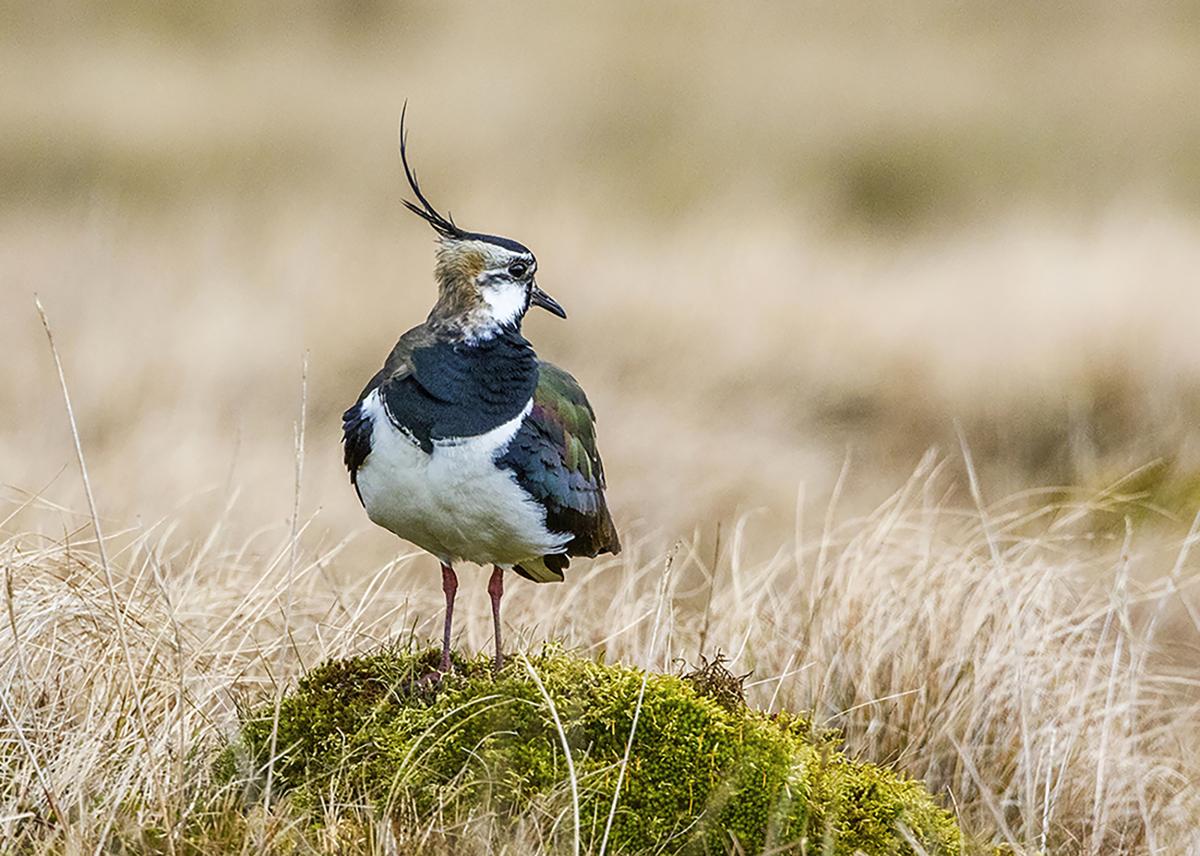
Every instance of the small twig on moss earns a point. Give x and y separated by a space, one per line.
712 680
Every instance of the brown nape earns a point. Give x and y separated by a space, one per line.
459 263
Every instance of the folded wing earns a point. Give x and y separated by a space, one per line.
555 459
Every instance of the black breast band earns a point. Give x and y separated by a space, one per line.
462 389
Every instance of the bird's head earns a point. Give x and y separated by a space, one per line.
485 282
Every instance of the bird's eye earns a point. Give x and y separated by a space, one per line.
518 269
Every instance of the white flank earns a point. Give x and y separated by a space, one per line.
455 503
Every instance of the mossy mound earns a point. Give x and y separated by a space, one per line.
701 777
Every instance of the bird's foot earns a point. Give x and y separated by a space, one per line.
430 680
434 677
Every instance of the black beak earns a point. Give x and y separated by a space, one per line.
540 298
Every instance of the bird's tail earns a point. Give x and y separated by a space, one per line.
538 571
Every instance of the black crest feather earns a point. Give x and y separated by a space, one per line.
444 226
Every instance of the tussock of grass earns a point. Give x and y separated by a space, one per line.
1031 678
703 776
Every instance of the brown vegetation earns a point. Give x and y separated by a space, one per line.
798 248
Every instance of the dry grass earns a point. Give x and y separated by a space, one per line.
786 240
974 650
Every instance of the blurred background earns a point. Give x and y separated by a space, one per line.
790 238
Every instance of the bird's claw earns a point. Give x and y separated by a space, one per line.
429 680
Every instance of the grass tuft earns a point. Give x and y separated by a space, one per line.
995 657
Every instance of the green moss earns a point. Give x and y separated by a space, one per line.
702 777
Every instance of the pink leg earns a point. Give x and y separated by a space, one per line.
450 587
496 591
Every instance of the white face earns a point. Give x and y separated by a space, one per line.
506 284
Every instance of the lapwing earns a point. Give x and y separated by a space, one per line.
466 443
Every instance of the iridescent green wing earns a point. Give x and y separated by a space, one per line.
555 459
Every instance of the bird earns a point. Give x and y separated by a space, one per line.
466 443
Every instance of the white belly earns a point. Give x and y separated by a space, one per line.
455 502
